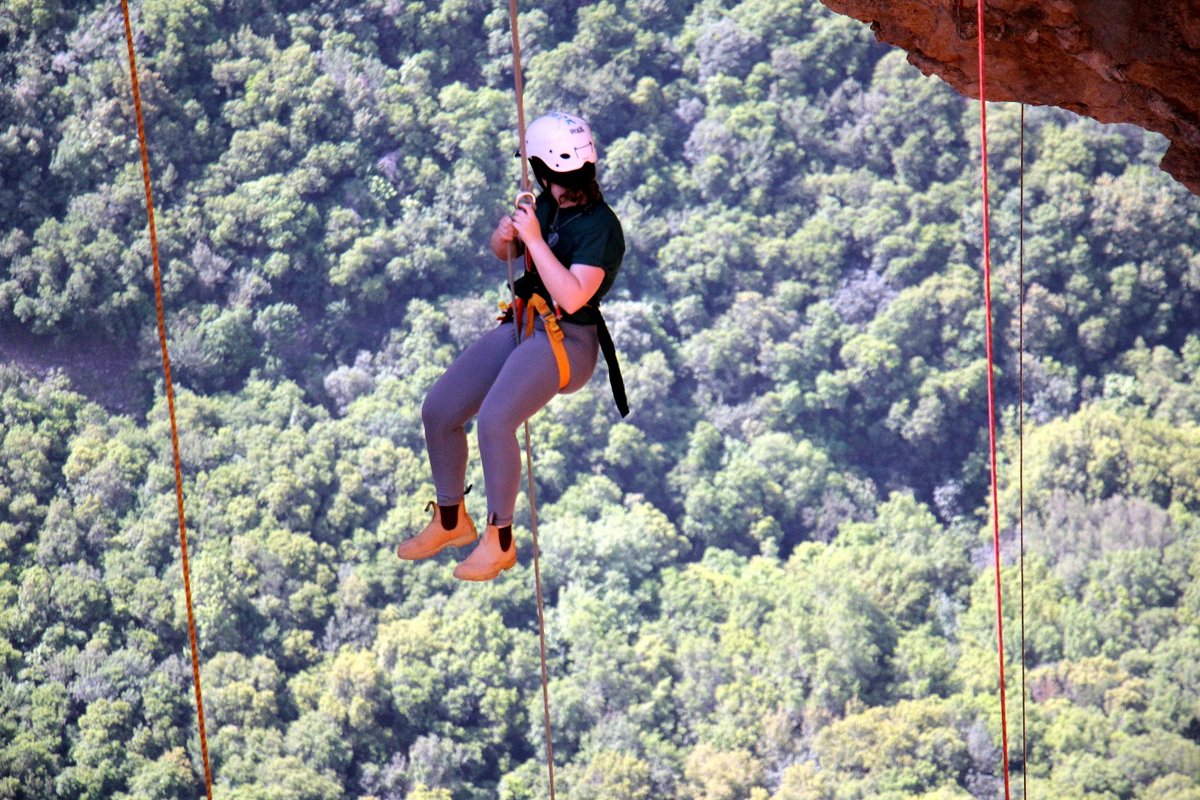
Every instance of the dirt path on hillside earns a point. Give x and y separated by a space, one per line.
105 372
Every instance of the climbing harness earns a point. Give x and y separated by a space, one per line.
530 286
523 312
166 362
991 392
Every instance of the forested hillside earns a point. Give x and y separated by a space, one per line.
770 582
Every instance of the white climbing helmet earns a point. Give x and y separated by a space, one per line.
563 142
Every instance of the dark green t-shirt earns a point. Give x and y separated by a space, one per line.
590 236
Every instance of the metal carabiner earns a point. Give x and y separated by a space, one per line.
525 199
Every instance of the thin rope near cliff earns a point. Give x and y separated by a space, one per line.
991 391
166 362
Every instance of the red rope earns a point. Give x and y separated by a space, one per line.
987 295
1021 464
166 361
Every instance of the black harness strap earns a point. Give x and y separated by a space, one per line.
614 367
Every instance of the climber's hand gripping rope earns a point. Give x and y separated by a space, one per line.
522 200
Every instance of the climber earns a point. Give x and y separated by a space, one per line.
546 344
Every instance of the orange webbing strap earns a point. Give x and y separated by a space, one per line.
991 392
166 361
539 307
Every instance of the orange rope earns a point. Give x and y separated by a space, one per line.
537 567
987 293
166 361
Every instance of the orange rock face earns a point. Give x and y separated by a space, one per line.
1135 61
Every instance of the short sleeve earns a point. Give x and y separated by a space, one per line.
593 249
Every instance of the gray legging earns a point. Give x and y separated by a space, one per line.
505 383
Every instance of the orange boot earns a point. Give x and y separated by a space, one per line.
488 559
434 537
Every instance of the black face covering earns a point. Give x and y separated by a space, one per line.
579 179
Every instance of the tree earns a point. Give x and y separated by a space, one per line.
714 775
99 767
914 748
169 776
613 776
